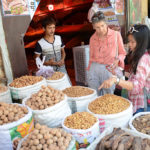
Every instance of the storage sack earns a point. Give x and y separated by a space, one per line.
109 131
12 132
71 146
135 116
83 137
60 84
6 96
79 104
52 116
21 93
121 119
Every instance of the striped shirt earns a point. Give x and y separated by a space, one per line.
140 80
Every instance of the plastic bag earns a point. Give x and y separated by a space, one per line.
118 71
45 71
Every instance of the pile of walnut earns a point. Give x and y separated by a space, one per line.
77 91
80 120
3 88
56 76
108 104
121 140
11 112
44 138
45 98
142 123
25 81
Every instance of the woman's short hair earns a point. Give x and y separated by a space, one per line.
48 21
98 16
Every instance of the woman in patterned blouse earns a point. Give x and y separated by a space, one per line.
139 40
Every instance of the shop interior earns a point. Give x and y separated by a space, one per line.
72 25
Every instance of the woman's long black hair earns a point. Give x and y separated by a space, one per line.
142 38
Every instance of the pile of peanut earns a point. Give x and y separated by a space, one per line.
80 120
3 88
25 81
108 104
44 138
77 91
56 76
11 112
45 98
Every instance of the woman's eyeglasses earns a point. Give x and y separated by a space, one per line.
98 17
132 29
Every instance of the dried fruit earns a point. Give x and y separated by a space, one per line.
108 104
45 98
49 141
3 88
80 120
8 112
25 81
77 91
56 76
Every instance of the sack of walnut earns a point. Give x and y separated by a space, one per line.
5 95
49 106
45 138
83 126
26 85
140 123
59 80
15 123
79 97
111 109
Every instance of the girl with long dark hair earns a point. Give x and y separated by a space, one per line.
139 79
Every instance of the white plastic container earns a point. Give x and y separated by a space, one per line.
52 116
79 104
21 93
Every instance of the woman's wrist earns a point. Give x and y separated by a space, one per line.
116 80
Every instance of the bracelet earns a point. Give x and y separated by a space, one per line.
117 80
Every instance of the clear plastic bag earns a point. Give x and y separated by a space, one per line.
45 71
118 71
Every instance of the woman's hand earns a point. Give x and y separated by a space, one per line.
111 68
61 62
108 83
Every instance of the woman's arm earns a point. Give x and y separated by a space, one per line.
113 80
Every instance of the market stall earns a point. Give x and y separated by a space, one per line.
57 116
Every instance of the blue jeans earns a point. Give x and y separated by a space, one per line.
139 110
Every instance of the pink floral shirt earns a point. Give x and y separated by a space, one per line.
140 80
